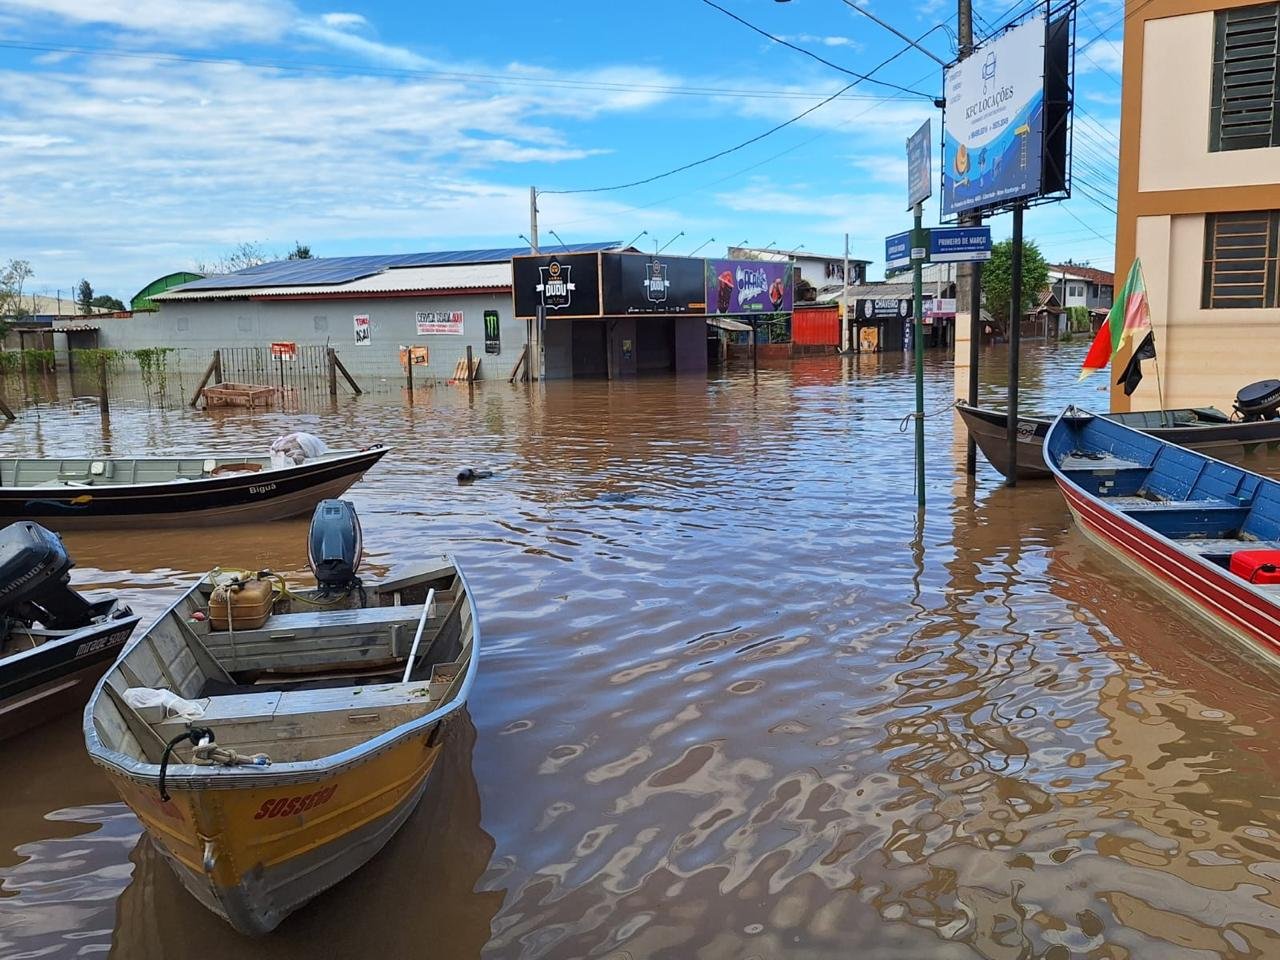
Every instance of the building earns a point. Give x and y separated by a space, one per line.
1077 286
1199 194
142 299
824 273
368 307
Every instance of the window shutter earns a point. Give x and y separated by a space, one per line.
1240 260
1245 113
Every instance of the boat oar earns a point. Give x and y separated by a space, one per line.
417 638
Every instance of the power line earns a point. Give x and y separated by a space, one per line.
808 53
728 150
891 28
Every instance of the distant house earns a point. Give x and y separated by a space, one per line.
824 273
1077 286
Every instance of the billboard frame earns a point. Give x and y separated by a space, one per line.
1058 91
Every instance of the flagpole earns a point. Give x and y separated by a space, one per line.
1159 386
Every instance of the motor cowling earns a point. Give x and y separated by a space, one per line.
1259 401
35 571
334 544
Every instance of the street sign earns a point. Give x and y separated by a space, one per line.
897 251
284 350
959 244
919 175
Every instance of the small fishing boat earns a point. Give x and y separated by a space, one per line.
192 490
54 643
1206 532
1202 428
272 740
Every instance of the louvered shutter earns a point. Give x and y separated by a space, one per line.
1246 66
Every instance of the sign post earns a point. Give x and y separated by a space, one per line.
919 189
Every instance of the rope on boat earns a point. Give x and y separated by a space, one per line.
905 423
206 752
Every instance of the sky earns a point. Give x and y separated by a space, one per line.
140 137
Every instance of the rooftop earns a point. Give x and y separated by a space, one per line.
1100 277
763 253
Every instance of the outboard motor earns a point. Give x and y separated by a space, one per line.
334 545
1259 401
35 571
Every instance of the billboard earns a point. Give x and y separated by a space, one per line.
438 321
749 286
919 174
567 285
993 136
638 283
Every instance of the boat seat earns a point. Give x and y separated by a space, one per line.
374 705
1223 546
1137 504
1079 461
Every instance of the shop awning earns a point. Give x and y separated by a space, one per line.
724 323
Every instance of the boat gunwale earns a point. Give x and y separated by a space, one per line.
1272 601
190 776
344 455
57 642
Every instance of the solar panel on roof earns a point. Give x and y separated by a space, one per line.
334 270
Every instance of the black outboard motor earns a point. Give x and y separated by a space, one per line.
1259 401
334 545
34 572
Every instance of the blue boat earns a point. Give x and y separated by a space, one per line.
1206 532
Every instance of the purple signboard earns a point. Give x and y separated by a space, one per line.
749 286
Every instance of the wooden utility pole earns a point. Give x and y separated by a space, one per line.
969 275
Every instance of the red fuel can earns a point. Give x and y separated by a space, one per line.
1257 566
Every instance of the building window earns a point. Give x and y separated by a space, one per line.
1240 260
1245 105
1075 291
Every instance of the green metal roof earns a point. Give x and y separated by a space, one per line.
142 299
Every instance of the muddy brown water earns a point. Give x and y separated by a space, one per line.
734 701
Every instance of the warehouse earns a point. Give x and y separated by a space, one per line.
367 307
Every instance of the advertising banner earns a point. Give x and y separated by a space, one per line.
883 308
749 286
361 323
492 332
439 321
565 286
284 350
993 129
638 283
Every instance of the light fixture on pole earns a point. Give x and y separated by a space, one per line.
792 253
771 243
632 241
562 243
668 243
703 244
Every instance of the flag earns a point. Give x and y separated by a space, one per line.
1132 374
1130 314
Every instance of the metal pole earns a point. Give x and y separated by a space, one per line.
975 342
533 219
1015 336
917 284
844 323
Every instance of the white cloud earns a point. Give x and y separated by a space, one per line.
344 20
823 40
1105 55
194 21
383 54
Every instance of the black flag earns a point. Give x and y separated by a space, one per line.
1132 375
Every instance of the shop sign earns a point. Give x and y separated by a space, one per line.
439 321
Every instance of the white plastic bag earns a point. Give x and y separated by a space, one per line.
174 705
295 448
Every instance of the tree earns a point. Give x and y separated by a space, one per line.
13 275
300 252
997 279
84 296
240 257
108 303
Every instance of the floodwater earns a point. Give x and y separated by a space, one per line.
734 701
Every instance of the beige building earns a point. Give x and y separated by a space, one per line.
1199 197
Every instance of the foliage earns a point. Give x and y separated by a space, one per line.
300 252
997 279
153 362
1078 319
240 257
105 302
84 296
91 358
13 275
33 361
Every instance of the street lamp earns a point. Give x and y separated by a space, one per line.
632 241
703 244
771 243
668 243
792 253
562 243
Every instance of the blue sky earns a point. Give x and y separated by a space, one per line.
142 137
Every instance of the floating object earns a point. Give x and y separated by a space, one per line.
239 395
54 643
1199 528
198 489
317 731
1197 428
470 475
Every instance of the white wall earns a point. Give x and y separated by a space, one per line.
204 326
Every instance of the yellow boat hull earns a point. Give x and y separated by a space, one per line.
254 854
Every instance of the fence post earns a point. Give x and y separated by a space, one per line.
470 369
103 403
331 360
408 370
217 366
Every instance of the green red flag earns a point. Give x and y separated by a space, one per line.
1130 314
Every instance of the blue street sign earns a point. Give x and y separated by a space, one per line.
919 170
959 244
897 251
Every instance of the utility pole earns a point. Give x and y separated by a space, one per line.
969 276
1015 336
918 245
533 219
539 321
844 320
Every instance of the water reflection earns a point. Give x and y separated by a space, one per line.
738 698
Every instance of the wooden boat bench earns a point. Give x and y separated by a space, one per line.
282 723
299 641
